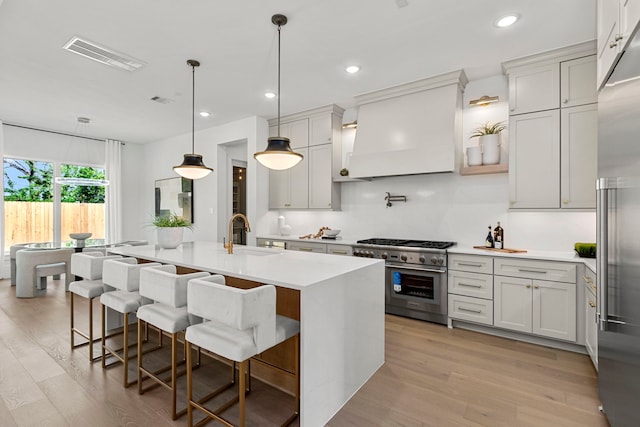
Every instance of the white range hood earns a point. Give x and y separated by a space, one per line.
414 128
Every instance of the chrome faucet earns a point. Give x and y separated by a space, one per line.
229 245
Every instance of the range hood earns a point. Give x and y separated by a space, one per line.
414 128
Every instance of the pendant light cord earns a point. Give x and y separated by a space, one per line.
278 80
193 108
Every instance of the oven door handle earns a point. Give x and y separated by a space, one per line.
404 267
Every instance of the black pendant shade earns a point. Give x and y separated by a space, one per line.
192 166
278 154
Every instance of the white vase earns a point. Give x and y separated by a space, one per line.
170 237
474 156
490 145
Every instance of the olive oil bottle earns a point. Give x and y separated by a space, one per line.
498 237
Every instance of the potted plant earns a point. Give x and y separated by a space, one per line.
489 141
170 230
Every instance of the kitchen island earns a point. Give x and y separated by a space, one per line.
341 311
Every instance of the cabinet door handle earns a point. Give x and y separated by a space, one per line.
565 101
524 270
619 37
470 285
592 304
613 44
470 310
469 264
528 286
536 286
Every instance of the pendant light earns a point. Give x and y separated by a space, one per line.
192 166
278 154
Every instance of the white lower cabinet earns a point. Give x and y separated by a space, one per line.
470 288
535 306
591 321
320 248
528 296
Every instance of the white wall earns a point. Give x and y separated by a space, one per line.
211 206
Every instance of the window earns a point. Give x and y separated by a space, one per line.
38 211
28 196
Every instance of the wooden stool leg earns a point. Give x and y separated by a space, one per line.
103 339
90 326
189 387
241 391
140 332
174 371
71 320
125 362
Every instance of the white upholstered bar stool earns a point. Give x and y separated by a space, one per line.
88 266
125 299
238 324
168 290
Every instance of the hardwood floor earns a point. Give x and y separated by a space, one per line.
433 376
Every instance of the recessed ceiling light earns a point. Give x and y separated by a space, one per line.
205 113
507 20
270 95
351 69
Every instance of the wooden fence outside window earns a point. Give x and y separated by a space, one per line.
33 221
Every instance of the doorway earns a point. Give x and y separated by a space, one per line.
239 200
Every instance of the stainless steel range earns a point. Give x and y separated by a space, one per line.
415 276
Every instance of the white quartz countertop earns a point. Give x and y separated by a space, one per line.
566 256
289 269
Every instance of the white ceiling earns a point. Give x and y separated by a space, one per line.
44 86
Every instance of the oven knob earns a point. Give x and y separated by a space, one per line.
384 255
370 254
422 259
441 261
434 260
403 258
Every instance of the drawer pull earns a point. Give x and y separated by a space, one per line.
587 279
470 310
466 264
524 270
593 287
306 249
339 252
592 304
470 285
415 304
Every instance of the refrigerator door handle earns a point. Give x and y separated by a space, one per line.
602 203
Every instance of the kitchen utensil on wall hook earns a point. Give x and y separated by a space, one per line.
389 198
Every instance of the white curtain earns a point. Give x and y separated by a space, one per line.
113 212
3 267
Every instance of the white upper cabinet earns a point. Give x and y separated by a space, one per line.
553 129
617 20
579 138
316 134
534 156
578 82
534 89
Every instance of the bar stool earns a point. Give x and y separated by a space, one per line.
87 265
125 299
168 313
239 324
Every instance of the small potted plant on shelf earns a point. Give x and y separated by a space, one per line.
488 144
170 230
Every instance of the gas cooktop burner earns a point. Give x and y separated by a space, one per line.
425 244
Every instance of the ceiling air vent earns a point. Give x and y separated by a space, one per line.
102 54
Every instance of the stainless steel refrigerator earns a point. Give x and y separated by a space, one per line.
618 250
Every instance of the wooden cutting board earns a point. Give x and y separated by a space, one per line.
505 250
